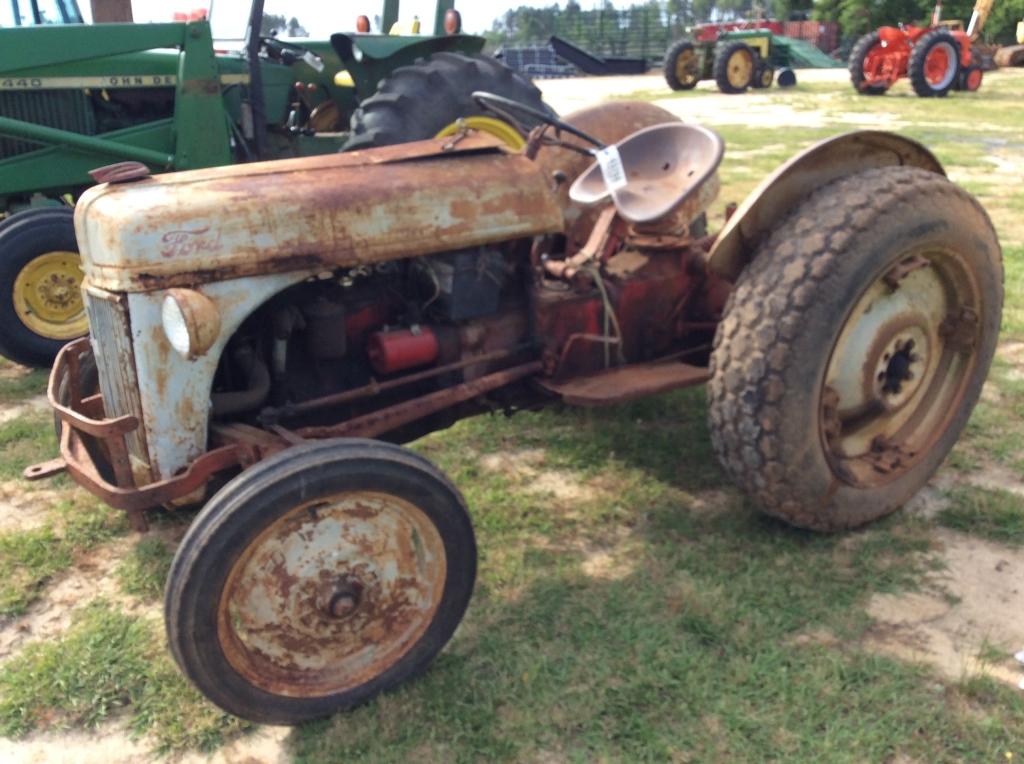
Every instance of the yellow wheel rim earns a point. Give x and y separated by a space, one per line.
740 68
48 297
686 69
501 130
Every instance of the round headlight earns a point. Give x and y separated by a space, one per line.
191 321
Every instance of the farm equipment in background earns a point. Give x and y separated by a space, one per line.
740 56
76 97
599 66
936 58
273 358
1012 55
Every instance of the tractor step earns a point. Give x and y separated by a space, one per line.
627 383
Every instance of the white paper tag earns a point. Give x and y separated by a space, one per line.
612 171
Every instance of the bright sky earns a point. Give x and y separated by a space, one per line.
322 19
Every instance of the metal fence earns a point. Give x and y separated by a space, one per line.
643 31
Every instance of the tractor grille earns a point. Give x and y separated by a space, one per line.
63 109
110 331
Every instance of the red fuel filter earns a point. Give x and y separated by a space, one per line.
401 349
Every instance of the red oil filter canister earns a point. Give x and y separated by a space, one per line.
394 351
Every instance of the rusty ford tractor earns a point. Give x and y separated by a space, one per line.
263 336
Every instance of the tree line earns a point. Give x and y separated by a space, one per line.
602 26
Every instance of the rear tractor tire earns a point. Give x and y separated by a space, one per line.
867 55
319 578
40 285
428 99
934 66
854 347
683 66
735 66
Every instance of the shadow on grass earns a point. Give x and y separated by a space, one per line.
691 656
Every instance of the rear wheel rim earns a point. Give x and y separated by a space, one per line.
940 65
332 594
740 68
900 367
47 296
497 128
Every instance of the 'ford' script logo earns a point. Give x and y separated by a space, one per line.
187 243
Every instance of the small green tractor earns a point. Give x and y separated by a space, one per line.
735 59
75 97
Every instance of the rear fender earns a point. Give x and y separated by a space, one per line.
801 176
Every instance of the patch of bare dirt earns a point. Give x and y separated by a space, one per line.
977 601
996 477
90 578
528 466
113 744
932 499
28 406
23 510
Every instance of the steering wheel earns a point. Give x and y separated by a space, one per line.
506 108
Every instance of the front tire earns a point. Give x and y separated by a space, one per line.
855 346
318 578
40 285
420 101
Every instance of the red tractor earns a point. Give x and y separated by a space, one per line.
937 58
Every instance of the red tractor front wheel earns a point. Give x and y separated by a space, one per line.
970 78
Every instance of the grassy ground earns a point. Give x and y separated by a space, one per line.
630 605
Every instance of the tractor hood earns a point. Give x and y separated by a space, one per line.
310 214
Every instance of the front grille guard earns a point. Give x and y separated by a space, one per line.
84 425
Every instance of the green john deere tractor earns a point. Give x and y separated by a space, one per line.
735 60
75 97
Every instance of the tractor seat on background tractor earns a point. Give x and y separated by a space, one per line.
663 165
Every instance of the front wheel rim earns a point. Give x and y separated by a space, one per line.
332 594
47 296
900 367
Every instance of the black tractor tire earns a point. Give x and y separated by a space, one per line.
763 76
377 525
970 78
786 78
768 400
926 46
674 63
856 64
727 58
24 237
417 102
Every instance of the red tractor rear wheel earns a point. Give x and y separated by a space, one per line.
871 64
934 66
